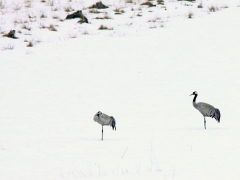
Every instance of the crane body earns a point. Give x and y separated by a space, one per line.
104 120
206 110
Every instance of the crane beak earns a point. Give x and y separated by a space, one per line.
191 94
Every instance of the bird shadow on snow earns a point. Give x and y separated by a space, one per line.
202 129
99 139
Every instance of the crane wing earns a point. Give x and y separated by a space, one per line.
102 119
208 110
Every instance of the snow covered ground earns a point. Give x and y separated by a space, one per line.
50 92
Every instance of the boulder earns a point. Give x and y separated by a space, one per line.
99 5
78 14
11 34
149 4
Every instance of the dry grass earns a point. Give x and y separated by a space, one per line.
16 6
52 27
128 1
225 6
7 47
213 8
72 35
153 20
153 26
42 25
190 15
160 2
139 14
149 4
50 2
30 44
2 4
85 32
200 5
31 16
118 10
68 8
106 16
28 3
94 11
103 27
55 8
26 26
188 0
20 21
43 15
55 16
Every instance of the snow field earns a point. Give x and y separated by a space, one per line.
50 93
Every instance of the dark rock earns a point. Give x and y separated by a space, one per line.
99 5
78 14
74 15
149 4
83 18
11 34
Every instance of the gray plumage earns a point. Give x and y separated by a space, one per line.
104 120
206 110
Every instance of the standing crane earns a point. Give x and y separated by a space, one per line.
104 120
205 109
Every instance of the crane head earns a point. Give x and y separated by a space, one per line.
194 93
99 113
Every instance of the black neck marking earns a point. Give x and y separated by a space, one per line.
195 97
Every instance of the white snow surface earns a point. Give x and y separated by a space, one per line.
49 94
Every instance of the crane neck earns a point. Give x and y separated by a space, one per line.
195 97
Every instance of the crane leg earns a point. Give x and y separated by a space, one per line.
204 123
102 132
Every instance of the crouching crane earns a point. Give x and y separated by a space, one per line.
205 109
104 120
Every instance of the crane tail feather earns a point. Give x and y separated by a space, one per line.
113 123
217 115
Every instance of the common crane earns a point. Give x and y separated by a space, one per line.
104 120
205 109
